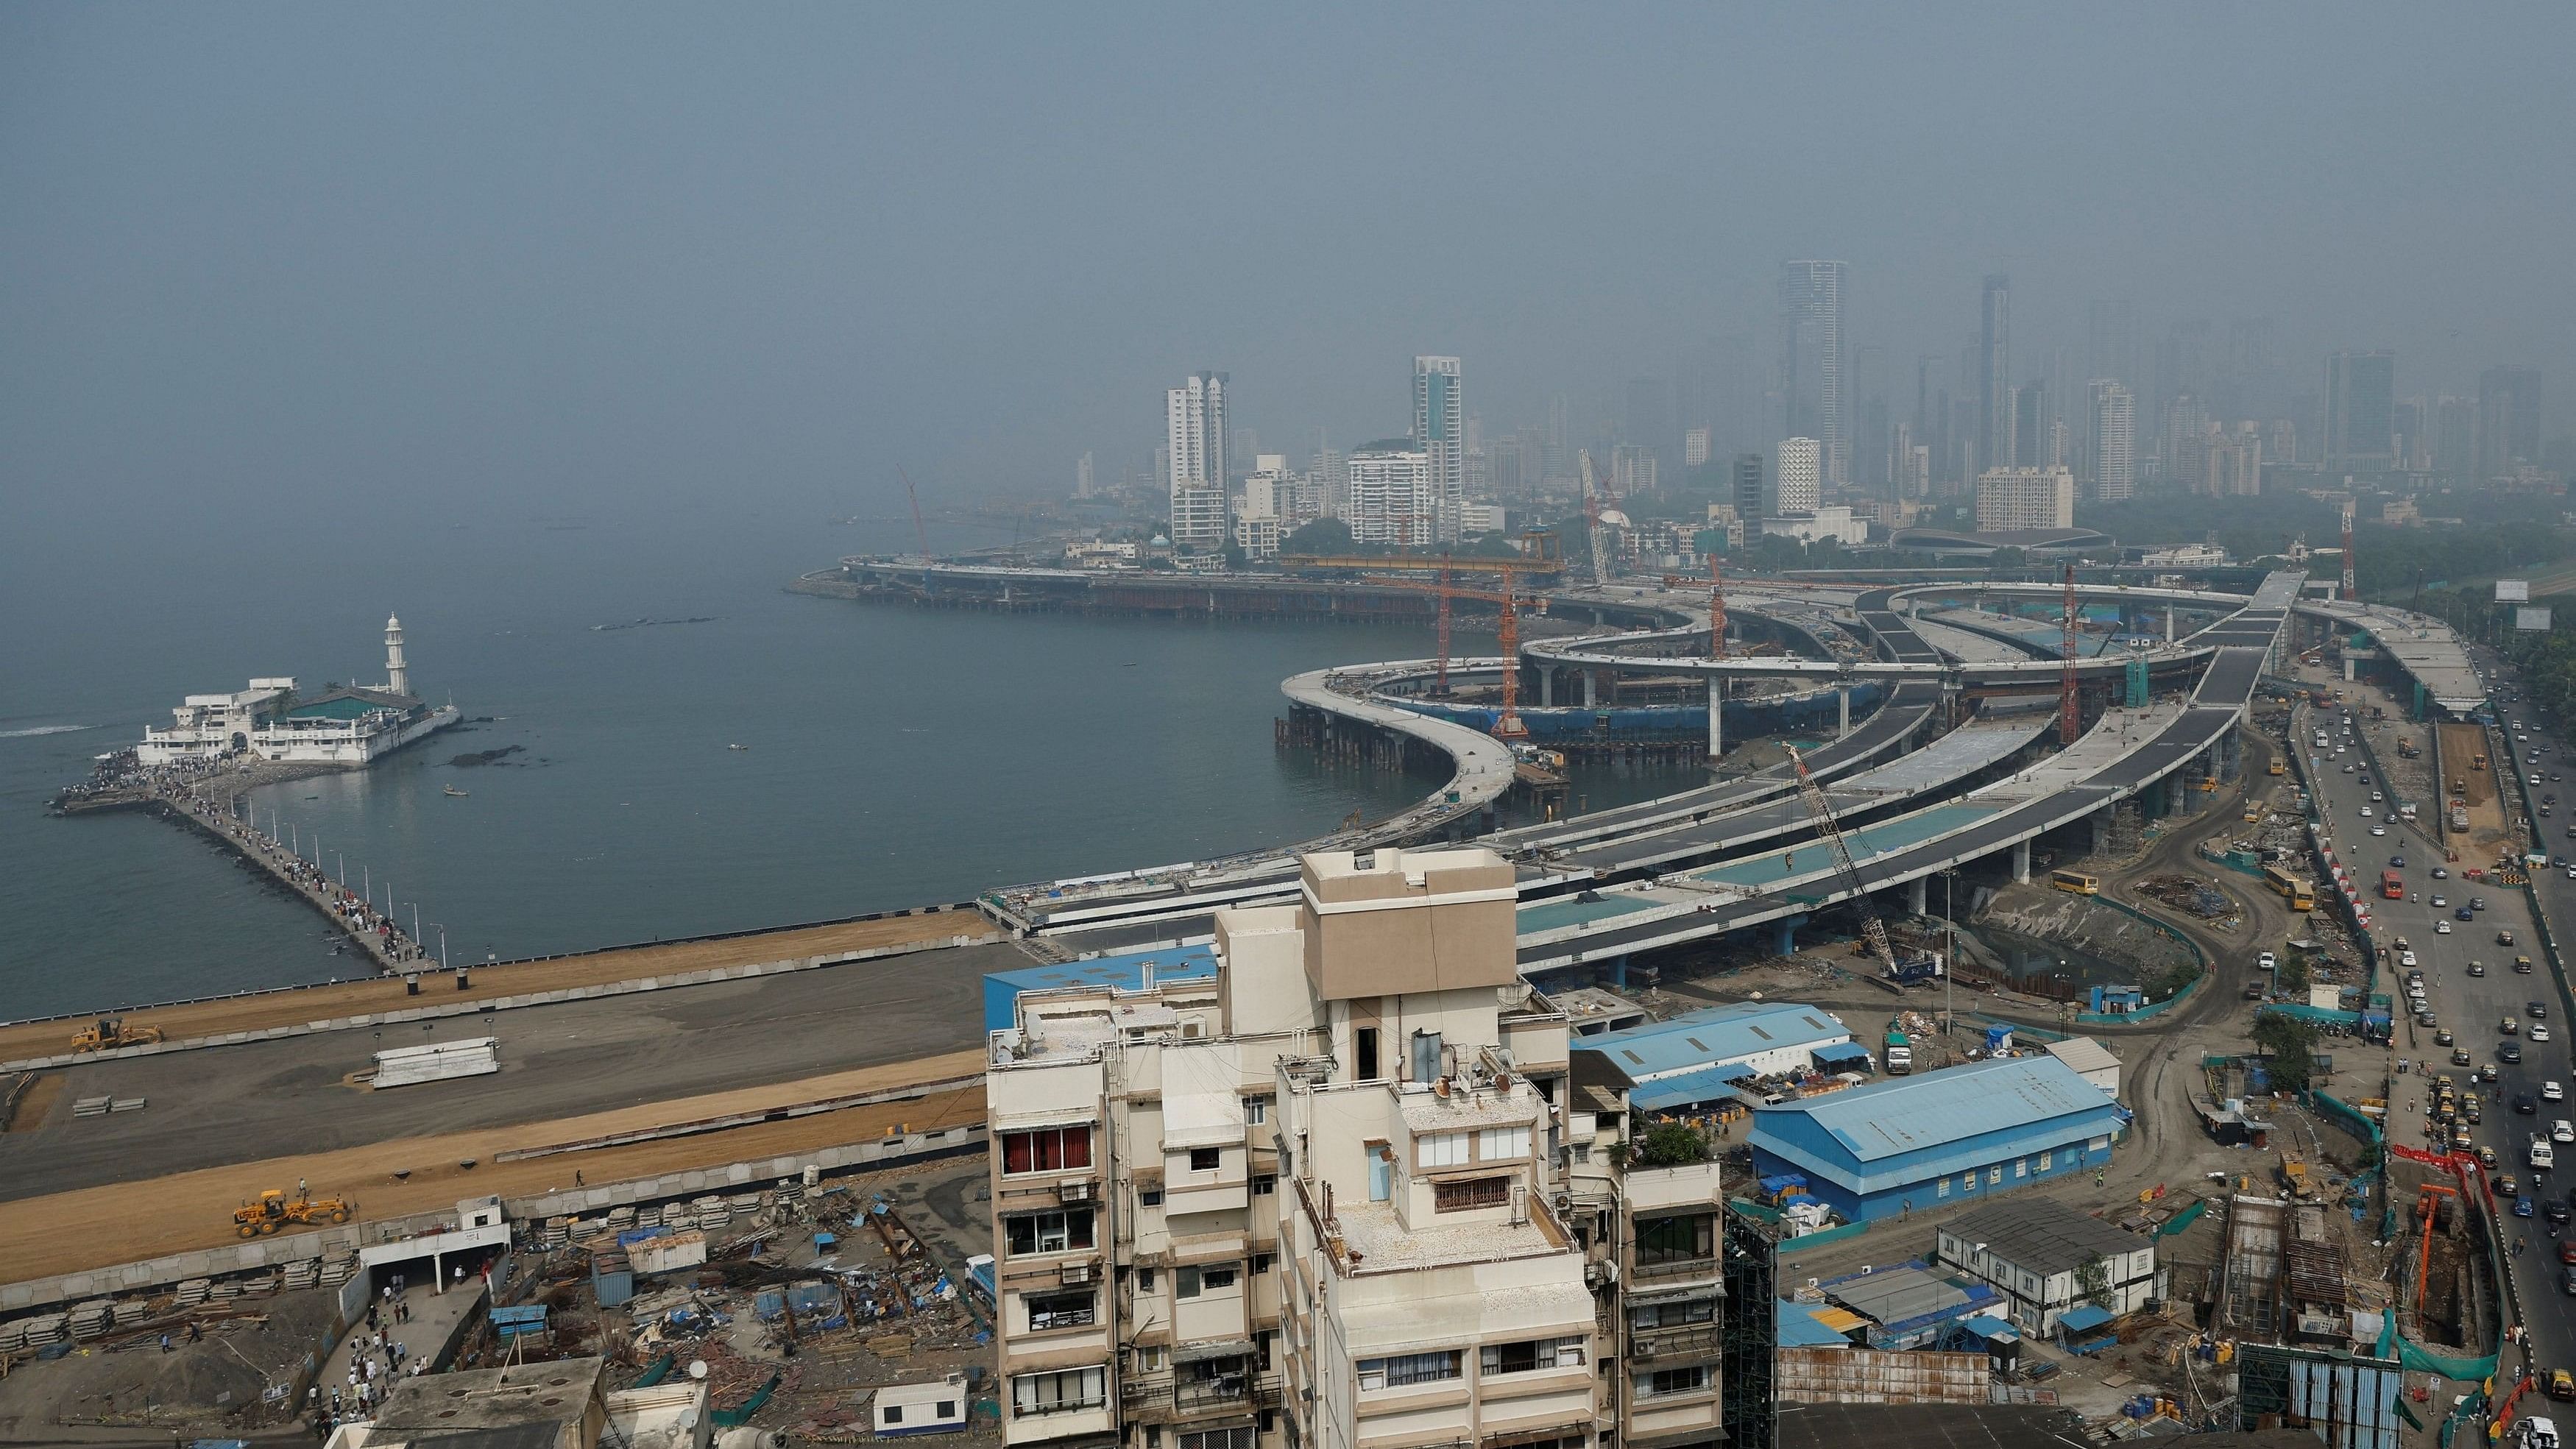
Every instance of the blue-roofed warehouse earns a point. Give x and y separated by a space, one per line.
1987 1127
1127 971
1693 1056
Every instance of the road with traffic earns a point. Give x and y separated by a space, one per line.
2464 936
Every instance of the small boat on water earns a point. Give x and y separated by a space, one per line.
459 794
737 747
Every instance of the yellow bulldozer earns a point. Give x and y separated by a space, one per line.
111 1032
275 1210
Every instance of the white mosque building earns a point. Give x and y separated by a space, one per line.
351 725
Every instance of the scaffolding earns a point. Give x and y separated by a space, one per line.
2250 1274
1751 1330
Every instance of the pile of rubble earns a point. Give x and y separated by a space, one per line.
2190 893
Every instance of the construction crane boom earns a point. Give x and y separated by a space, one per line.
2070 701
920 535
1592 518
1916 966
1508 727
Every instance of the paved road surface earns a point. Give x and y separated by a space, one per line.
2471 1007
275 1099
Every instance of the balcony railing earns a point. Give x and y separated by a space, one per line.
1674 1269
1150 1393
1677 1340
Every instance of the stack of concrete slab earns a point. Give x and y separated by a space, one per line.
43 1329
303 1273
437 1062
92 1320
340 1266
193 1291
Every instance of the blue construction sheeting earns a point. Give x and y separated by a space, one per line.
1842 1053
1920 1141
2084 1319
1714 1036
1127 971
1799 1327
1690 1089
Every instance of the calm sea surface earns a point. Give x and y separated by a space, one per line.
892 757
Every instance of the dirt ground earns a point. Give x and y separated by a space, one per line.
2460 742
593 968
68 1231
130 1383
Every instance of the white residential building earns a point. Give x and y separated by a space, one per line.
1393 498
2011 499
1695 445
1194 416
1440 429
1814 526
1348 1192
2035 1250
1797 486
2115 442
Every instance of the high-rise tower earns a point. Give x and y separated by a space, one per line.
2508 419
2361 411
1815 383
1994 375
1440 426
2115 442
397 673
1194 416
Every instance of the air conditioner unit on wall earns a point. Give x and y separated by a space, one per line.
1078 1191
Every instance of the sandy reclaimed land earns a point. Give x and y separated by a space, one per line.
591 968
147 1218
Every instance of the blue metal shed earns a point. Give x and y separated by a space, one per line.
1690 1089
1715 1036
1920 1141
1002 988
1843 1054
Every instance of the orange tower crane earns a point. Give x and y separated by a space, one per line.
1509 727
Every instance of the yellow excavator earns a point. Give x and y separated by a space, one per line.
111 1032
275 1210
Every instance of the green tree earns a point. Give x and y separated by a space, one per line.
2291 1043
1323 536
1671 1144
2093 1281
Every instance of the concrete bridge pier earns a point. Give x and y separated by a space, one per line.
2101 822
1591 681
1843 697
2231 760
1918 894
2169 624
1785 943
1716 716
1547 689
2021 861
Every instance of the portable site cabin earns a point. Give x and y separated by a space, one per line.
935 1407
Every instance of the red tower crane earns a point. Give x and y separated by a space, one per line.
2349 592
2070 701
1716 611
1509 726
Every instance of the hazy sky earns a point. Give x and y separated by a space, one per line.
571 256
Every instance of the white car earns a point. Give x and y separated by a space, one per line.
2552 1092
2366 812
2379 830
2405 958
2440 901
2266 962
2537 1032
2562 1130
2441 928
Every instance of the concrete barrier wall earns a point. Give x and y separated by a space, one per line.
501 1003
256 1254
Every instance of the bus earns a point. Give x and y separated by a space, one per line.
2076 881
2301 895
2392 885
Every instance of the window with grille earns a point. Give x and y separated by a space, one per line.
1665 1382
1061 1310
1473 1192
1048 1232
1675 1239
1409 1368
1237 1437
1529 1356
1679 1313
1060 1392
1047 1149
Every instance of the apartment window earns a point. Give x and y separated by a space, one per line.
1049 1232
1261 1263
1679 1313
1474 1192
1205 1159
1190 1282
1048 1149
1500 1144
1270 1421
1664 1382
894 1413
1219 1276
1364 1047
1061 1310
1149 1360
1256 1110
1440 1149
1264 1184
1409 1368
1676 1239
1530 1356
1057 1393
1149 1197
1144 1280
1238 1437
1941 1188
